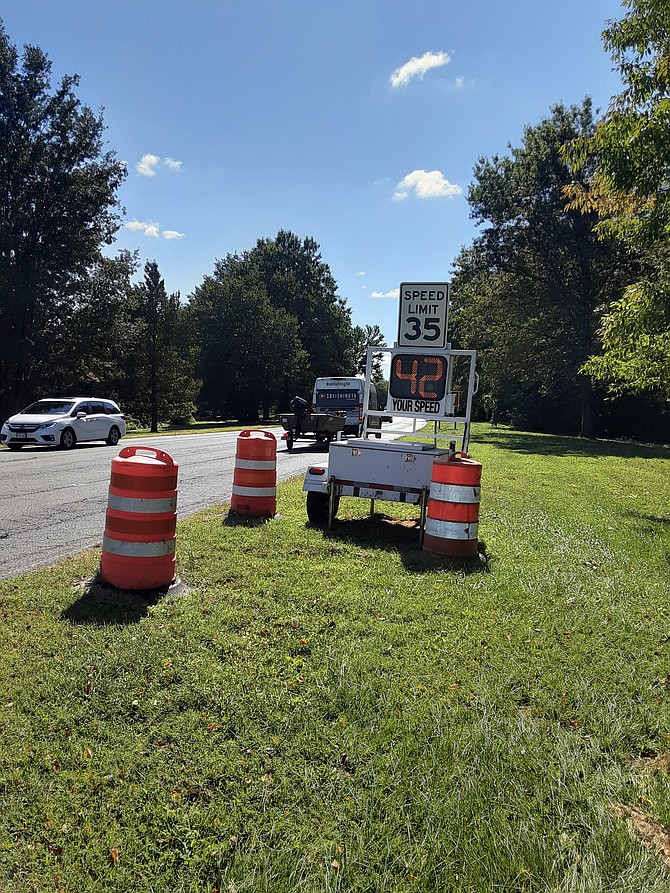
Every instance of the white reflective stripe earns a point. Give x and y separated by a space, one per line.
254 491
140 505
257 464
138 550
454 492
450 530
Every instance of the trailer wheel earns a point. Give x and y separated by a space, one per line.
317 508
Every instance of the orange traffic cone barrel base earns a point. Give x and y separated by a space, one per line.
437 545
139 545
452 515
255 476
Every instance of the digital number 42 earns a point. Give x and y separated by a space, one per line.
428 327
422 383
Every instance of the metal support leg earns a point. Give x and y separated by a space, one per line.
331 502
422 516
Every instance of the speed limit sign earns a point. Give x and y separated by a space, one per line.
423 314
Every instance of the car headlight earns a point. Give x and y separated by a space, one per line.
45 425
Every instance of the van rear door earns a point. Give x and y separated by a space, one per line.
341 394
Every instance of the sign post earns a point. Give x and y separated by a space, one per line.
423 314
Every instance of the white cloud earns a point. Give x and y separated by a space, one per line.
136 225
361 273
152 230
426 184
145 227
145 166
417 67
394 293
459 83
172 164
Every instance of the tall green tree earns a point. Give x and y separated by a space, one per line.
368 336
531 290
58 207
90 352
629 190
296 279
270 320
250 350
164 359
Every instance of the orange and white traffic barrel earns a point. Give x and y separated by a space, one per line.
138 549
452 516
255 475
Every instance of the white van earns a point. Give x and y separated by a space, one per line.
336 394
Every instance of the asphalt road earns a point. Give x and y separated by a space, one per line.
52 502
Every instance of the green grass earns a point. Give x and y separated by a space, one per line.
205 427
338 711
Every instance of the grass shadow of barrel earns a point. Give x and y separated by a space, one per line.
102 604
401 535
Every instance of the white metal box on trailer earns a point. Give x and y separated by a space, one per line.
378 470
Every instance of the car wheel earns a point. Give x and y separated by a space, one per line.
15 446
113 436
67 439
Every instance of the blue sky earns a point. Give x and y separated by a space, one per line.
355 122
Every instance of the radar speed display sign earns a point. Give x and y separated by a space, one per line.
418 383
423 314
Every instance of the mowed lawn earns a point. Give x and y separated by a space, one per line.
338 711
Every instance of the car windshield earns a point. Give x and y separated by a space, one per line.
48 407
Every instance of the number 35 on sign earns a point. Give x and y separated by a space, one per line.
423 314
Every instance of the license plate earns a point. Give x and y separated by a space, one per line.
21 435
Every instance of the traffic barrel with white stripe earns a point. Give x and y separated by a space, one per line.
255 475
452 517
138 549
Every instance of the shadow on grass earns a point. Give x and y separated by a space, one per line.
105 605
655 519
381 532
554 445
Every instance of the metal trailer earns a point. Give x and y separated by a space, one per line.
395 471
391 471
320 426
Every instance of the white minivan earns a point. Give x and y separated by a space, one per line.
63 422
337 394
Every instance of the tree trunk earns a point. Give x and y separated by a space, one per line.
153 370
587 426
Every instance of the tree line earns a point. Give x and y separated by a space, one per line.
564 292
255 332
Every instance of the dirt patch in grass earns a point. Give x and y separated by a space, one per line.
658 763
650 831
